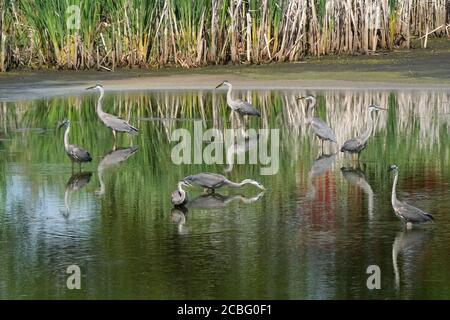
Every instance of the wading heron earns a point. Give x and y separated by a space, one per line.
320 128
407 213
75 153
213 181
356 145
179 196
243 108
113 122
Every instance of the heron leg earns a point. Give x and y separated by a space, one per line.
79 166
114 134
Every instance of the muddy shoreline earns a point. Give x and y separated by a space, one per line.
416 69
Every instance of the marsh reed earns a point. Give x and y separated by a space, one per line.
188 33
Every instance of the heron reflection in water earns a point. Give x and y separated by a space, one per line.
178 215
240 147
321 165
218 201
113 159
357 178
413 246
76 182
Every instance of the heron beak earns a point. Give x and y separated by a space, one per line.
62 124
263 188
219 85
90 88
379 108
301 98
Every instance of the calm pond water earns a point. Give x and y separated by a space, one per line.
311 235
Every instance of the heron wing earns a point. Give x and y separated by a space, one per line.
206 179
411 213
246 108
352 145
79 153
322 130
118 124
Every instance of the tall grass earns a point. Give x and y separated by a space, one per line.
188 33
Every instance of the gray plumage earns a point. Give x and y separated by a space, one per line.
358 144
78 181
320 128
212 181
115 157
110 160
218 201
75 153
244 108
179 197
406 212
111 121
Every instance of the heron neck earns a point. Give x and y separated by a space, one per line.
310 111
369 130
66 137
394 186
238 184
100 101
181 189
229 98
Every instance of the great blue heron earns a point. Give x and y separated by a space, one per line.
320 128
356 145
111 121
75 153
76 182
179 197
113 159
243 108
407 213
212 181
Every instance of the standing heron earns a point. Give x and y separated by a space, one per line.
213 181
320 128
404 211
243 108
111 121
356 145
179 196
75 153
